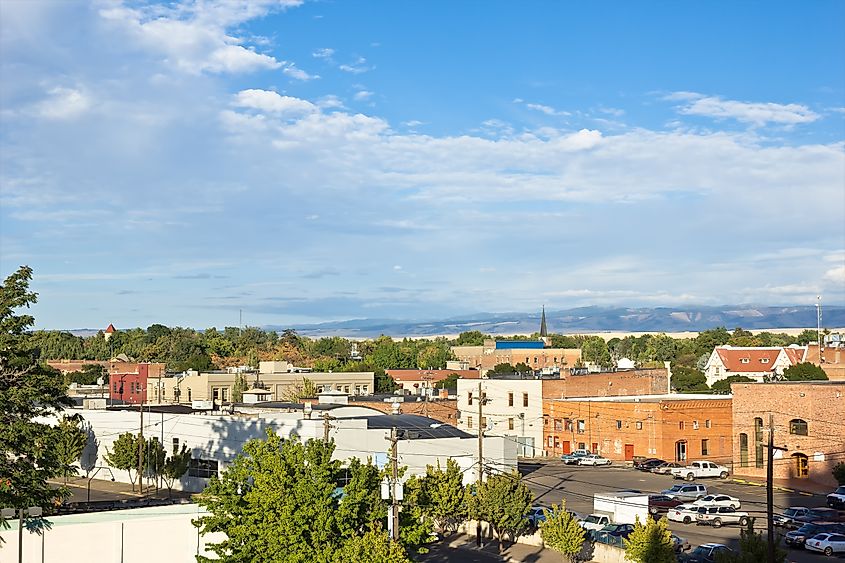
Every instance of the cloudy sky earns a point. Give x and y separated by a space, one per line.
304 161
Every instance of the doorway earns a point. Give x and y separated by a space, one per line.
802 466
629 452
566 447
681 451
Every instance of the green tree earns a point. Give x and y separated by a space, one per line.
806 337
471 338
688 380
650 543
594 349
444 496
503 501
373 547
362 503
451 382
753 548
238 388
28 391
414 526
154 460
175 466
69 442
661 348
563 341
839 472
298 391
125 453
562 532
805 371
723 386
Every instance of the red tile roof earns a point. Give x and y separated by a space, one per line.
400 375
795 355
748 359
110 328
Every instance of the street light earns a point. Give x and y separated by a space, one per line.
32 511
94 475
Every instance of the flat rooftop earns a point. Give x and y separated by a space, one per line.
650 398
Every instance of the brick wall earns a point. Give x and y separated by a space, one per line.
443 410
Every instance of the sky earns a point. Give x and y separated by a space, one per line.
189 162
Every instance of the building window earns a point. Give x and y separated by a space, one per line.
203 468
510 424
619 425
639 425
764 360
175 445
510 399
558 425
535 359
215 393
551 442
469 398
695 425
567 424
758 443
581 426
707 423
525 399
798 426
745 360
582 446
743 450
681 425
469 422
705 447
225 393
483 422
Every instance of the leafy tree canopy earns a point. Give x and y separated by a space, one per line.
723 386
804 371
562 532
650 543
503 501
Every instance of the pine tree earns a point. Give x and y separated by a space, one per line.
28 391
650 543
562 532
70 441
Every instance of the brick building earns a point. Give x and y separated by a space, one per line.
832 359
808 422
442 409
114 365
531 353
131 386
674 427
414 380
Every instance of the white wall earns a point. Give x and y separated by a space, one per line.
141 535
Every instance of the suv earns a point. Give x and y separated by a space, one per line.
820 515
706 553
698 469
595 522
718 516
691 491
796 538
836 499
790 517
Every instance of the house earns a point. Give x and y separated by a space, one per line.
673 427
759 363
807 424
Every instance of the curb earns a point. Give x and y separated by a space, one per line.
777 488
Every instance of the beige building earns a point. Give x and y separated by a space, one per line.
276 377
551 360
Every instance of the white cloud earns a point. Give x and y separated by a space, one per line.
273 102
836 275
297 73
330 102
413 123
548 110
235 58
324 53
755 113
63 103
363 95
358 67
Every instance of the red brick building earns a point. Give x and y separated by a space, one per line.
808 422
672 427
412 380
131 386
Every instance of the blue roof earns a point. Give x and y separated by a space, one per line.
514 344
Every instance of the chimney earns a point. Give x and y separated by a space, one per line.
668 366
395 408
306 410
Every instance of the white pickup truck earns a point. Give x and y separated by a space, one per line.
699 469
836 499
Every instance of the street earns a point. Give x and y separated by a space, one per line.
552 481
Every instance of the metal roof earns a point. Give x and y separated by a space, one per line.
413 426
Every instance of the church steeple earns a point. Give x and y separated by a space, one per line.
543 331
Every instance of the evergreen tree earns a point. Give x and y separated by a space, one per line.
238 388
650 543
28 391
804 371
372 547
562 532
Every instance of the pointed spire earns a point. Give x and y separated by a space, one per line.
543 331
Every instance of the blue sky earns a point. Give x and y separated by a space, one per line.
310 161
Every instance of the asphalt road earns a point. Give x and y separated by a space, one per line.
552 481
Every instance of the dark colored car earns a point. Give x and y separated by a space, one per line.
612 534
821 515
706 553
665 468
788 518
647 464
662 503
796 538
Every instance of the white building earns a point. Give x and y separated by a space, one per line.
513 408
361 432
759 363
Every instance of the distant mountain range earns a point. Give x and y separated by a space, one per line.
588 319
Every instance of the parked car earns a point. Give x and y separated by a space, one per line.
691 491
718 500
788 518
821 515
595 522
594 459
718 516
536 515
665 468
706 553
836 499
699 469
680 544
572 458
659 503
826 543
612 534
685 513
648 463
796 538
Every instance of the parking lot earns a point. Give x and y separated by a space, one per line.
552 481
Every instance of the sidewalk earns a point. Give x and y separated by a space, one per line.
807 488
105 489
514 553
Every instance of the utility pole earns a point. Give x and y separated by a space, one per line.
770 472
394 506
427 378
480 460
141 450
326 427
